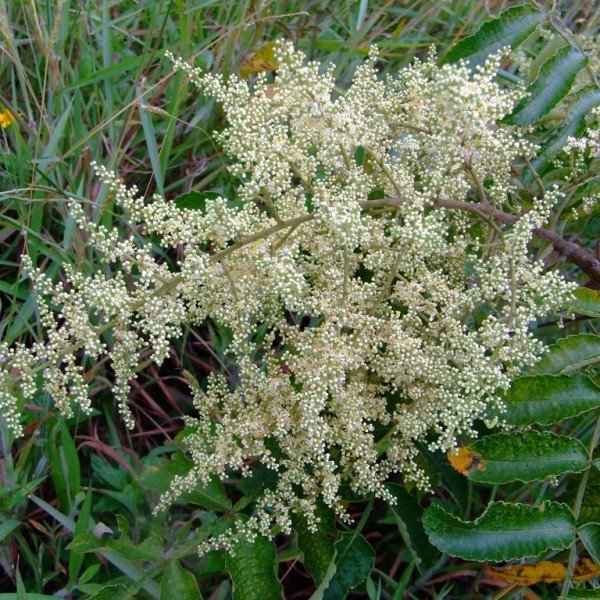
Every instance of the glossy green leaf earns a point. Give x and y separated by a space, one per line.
547 399
253 570
408 515
354 559
504 532
178 584
527 456
511 28
552 84
586 302
568 354
590 536
318 548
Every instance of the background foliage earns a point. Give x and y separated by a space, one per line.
87 81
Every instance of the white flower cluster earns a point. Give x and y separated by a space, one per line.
578 152
365 316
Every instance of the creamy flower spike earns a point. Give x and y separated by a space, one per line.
389 319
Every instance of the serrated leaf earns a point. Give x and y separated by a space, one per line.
568 354
547 399
552 84
585 302
545 571
408 515
503 532
528 456
574 125
318 548
150 549
178 583
511 28
590 536
211 496
253 570
354 560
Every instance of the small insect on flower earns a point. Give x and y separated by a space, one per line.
6 118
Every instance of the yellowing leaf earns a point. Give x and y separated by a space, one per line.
262 60
545 571
464 460
585 570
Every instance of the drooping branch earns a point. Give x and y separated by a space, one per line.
574 253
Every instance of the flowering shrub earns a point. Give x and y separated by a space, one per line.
376 292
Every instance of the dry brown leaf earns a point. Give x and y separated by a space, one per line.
262 60
463 459
545 571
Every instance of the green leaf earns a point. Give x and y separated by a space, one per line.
408 515
574 125
150 549
21 591
577 594
159 477
590 536
503 532
568 354
552 84
318 548
111 592
546 399
14 596
403 582
71 460
586 302
191 201
178 583
253 570
511 28
76 558
529 456
8 527
354 559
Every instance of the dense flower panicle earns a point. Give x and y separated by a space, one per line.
364 317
